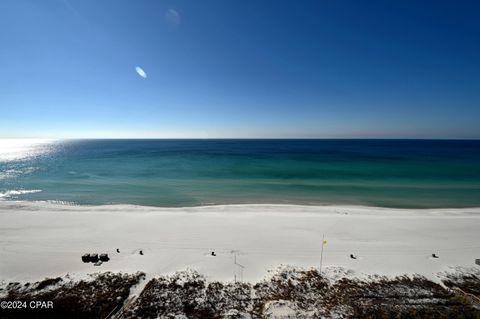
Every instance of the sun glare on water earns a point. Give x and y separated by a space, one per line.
16 149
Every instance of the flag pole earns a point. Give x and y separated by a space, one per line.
321 254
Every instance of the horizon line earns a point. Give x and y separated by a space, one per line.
240 138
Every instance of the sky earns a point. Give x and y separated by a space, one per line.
239 68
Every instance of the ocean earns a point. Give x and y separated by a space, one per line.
181 172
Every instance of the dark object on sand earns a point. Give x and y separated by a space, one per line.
98 263
353 256
141 252
213 253
118 250
104 257
86 258
93 258
435 256
477 261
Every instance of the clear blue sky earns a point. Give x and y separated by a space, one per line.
325 68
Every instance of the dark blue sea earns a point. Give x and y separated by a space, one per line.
389 173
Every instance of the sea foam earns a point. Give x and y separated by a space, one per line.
17 192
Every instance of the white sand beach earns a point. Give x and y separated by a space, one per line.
39 240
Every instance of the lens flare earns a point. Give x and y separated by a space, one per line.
141 72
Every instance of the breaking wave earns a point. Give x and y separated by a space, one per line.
16 192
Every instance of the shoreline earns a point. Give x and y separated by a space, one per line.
105 207
46 240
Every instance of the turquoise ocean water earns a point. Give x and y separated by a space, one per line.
390 173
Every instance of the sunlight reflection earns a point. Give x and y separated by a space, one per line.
15 149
